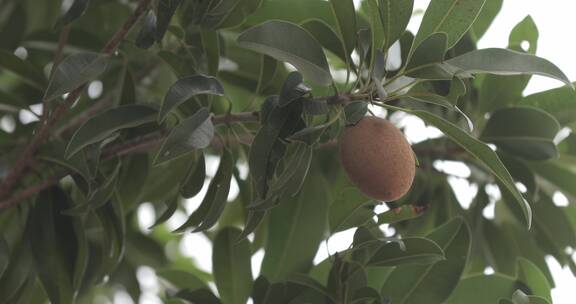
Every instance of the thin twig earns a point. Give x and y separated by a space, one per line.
43 132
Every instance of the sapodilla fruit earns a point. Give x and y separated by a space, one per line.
378 159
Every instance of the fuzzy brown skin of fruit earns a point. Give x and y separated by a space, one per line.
378 159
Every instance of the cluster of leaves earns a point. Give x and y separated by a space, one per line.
203 78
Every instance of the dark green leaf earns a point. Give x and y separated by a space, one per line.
187 87
4 255
204 296
292 89
74 71
103 125
195 132
236 12
523 131
415 251
231 264
171 207
215 199
506 62
195 179
147 35
355 111
395 15
166 9
76 10
24 69
21 266
55 153
430 51
289 42
53 245
182 279
485 18
530 274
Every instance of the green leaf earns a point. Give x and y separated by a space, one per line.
147 34
560 102
531 275
211 47
493 288
350 209
292 89
194 181
498 91
415 251
453 17
171 207
204 296
237 14
326 36
182 279
186 88
194 132
430 51
113 230
231 264
25 69
268 68
485 18
54 153
19 269
433 283
165 11
296 229
290 181
523 131
506 62
4 255
345 14
395 15
74 71
289 42
355 111
399 214
103 125
215 199
560 172
483 153
53 245
76 10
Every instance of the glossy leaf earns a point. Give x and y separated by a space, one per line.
395 15
171 207
76 10
103 125
194 132
231 264
453 17
432 283
74 71
186 88
195 179
430 51
292 89
147 34
289 42
415 251
506 62
530 275
523 131
165 11
355 111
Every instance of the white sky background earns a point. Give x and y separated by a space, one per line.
556 21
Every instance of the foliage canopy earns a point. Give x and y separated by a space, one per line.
111 107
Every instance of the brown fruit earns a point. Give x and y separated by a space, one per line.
378 159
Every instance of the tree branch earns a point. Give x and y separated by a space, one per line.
43 132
